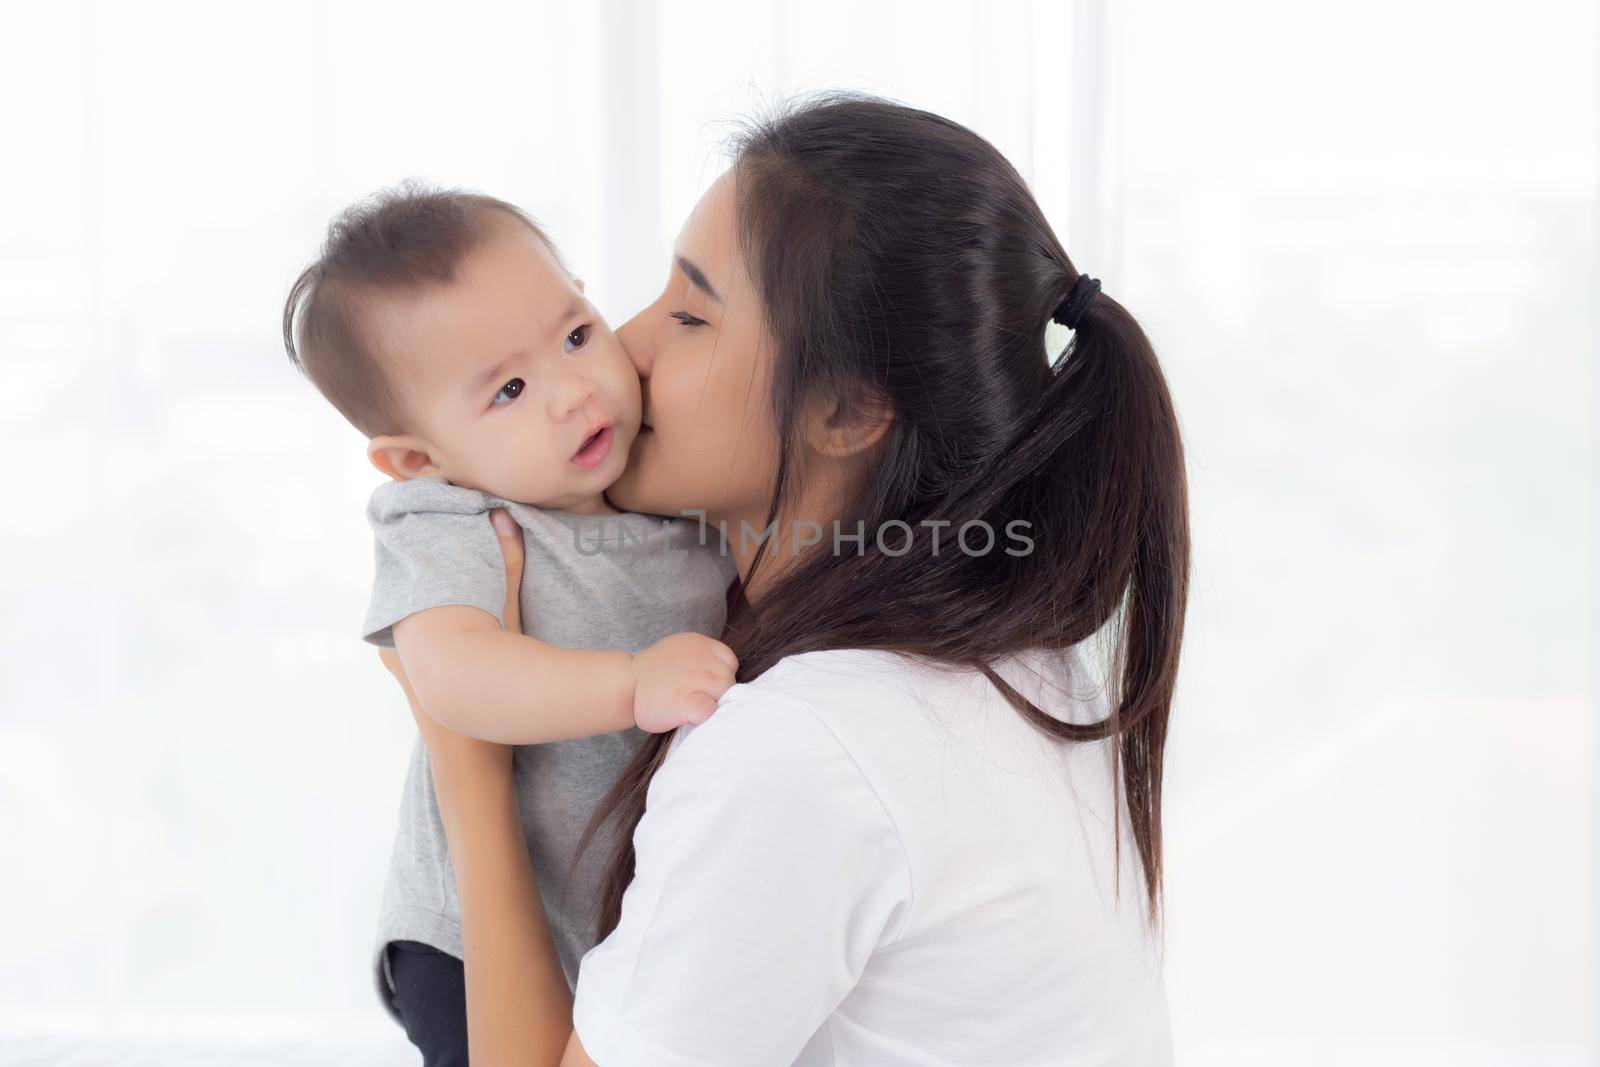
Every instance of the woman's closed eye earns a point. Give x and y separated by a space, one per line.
508 392
686 318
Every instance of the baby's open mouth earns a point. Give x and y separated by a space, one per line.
595 447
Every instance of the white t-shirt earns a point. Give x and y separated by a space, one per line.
862 861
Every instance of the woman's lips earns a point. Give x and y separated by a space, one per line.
596 449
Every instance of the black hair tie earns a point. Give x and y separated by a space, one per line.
1070 311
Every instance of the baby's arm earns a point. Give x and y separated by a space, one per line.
443 571
497 685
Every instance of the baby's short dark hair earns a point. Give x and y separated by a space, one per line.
395 241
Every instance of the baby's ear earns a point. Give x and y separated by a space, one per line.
401 457
579 283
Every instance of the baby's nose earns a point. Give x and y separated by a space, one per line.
574 392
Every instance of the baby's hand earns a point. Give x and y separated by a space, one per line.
678 679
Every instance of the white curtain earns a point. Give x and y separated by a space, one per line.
1362 237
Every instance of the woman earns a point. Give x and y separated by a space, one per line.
915 832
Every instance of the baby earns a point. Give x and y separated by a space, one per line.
446 328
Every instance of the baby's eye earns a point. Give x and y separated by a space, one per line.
508 392
577 338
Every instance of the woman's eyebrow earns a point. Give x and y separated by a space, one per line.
693 273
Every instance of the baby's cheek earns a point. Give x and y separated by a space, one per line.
625 387
510 460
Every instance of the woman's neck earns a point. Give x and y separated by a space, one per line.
807 531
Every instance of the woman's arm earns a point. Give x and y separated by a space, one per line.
519 1009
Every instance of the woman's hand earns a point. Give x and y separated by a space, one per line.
456 757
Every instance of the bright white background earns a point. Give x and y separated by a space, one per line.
1363 237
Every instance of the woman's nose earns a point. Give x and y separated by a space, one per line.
635 341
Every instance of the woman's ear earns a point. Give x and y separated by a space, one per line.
402 457
842 425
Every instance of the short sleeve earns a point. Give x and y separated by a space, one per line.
768 872
433 546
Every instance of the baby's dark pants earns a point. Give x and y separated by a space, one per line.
430 989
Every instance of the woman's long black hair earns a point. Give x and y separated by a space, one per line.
899 257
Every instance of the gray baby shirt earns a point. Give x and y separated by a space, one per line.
589 582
